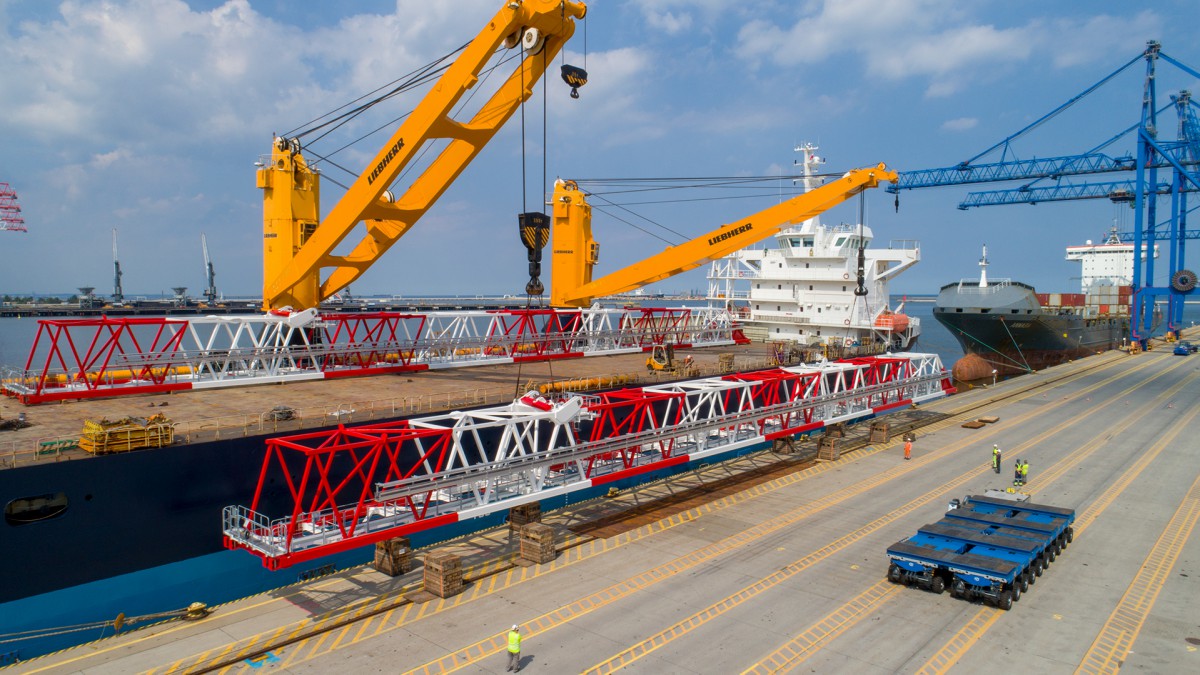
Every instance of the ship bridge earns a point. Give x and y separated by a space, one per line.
330 491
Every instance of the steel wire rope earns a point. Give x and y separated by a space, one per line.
391 123
412 79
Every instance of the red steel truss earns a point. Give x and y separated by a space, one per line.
351 487
88 358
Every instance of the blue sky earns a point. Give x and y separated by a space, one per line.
148 115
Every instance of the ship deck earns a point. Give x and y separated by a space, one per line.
711 571
200 415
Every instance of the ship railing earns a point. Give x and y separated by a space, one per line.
396 503
971 286
14 453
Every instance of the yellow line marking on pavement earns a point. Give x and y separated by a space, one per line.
1116 638
302 589
316 624
698 619
490 645
957 646
824 631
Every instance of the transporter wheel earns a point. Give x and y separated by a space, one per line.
1051 553
937 585
894 573
1004 600
1039 566
1023 582
1070 534
1016 590
958 589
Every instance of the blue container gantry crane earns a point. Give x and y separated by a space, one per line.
1179 160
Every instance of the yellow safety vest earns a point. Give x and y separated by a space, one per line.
1024 469
514 641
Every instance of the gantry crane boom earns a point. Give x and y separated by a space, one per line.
576 252
296 249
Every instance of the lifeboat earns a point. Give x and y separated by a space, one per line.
897 323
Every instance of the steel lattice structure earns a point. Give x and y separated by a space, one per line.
90 358
10 210
354 486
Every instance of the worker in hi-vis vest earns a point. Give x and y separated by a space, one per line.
514 649
1017 472
1024 472
996 458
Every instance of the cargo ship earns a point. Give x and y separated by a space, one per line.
1006 327
822 288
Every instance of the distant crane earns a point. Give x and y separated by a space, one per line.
1177 160
118 295
10 210
210 292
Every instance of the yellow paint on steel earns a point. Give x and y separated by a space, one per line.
1116 638
604 545
717 609
796 650
950 653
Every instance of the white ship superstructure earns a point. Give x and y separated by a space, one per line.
1106 266
803 289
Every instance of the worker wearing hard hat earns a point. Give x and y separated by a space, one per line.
1017 472
514 649
996 458
1024 472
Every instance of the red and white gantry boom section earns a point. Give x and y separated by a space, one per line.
90 358
330 491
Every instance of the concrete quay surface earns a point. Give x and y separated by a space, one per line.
786 574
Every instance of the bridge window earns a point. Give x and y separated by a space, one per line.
26 510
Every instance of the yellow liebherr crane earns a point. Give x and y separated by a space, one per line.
298 244
575 252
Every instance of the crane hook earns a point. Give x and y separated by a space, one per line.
574 76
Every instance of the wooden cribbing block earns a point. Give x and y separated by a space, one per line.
393 556
443 574
537 543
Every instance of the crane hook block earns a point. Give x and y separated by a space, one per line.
574 76
535 230
535 234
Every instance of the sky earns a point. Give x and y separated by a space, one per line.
147 116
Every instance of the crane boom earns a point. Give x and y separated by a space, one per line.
296 248
575 252
210 275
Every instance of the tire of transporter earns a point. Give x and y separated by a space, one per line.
1016 591
1023 582
1004 600
894 573
1184 281
1039 566
937 585
1070 534
1051 553
958 589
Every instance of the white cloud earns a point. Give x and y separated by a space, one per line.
960 124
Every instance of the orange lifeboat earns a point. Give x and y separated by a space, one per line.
897 323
